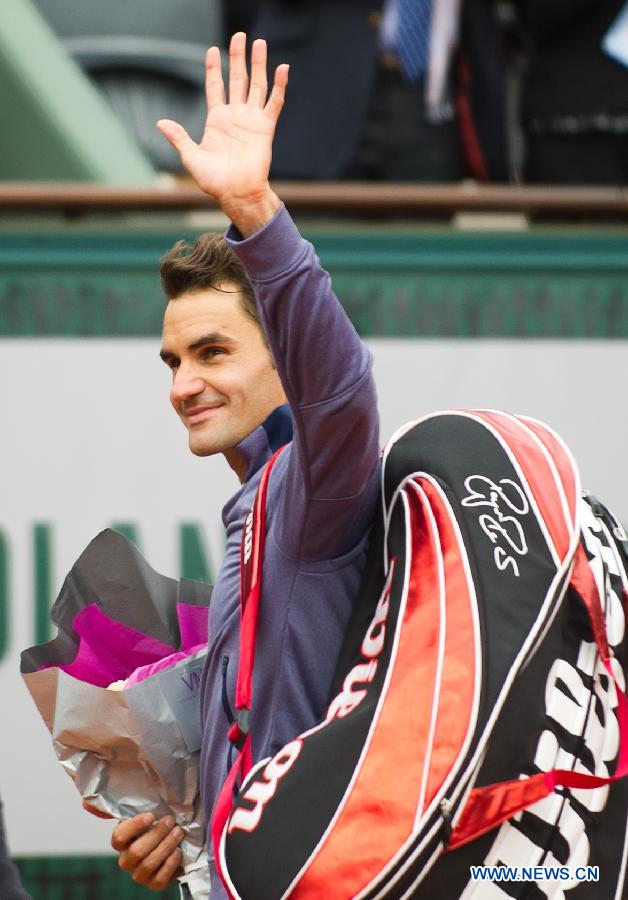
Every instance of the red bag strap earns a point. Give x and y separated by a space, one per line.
251 559
493 804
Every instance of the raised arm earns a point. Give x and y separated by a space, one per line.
231 163
324 367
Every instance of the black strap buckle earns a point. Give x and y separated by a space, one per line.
445 811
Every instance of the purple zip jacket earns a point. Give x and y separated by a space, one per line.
321 499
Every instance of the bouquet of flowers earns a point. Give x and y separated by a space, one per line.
118 689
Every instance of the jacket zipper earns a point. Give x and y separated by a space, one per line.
227 708
225 698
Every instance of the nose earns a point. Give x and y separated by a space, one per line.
185 385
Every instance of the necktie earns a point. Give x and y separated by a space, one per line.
413 36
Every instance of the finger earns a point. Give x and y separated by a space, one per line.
170 870
278 93
179 138
214 84
137 850
146 867
258 87
126 832
238 78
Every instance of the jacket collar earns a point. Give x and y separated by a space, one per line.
258 446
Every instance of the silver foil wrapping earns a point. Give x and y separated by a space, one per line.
126 751
134 750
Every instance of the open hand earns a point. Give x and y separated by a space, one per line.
231 162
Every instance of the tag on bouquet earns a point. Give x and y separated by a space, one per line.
181 686
615 42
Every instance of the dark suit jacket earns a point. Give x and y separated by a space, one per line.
10 886
568 72
332 48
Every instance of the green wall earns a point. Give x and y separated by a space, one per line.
570 284
83 878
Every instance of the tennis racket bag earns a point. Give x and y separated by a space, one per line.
478 715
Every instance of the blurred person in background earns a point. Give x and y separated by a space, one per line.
575 91
10 885
402 90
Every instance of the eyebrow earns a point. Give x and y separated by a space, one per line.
206 340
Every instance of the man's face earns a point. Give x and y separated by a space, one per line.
224 383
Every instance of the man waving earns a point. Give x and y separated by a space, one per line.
262 355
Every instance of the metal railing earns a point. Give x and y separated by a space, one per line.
407 199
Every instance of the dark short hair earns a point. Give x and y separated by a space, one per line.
207 263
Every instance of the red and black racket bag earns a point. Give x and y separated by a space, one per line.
479 707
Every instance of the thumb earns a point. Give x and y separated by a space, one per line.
179 138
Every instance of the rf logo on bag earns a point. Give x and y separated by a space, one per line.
503 529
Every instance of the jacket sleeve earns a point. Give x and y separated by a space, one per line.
330 483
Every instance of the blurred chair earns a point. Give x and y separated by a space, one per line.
147 57
41 88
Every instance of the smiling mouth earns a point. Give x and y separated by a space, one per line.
197 416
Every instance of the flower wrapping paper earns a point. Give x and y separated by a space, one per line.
135 749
